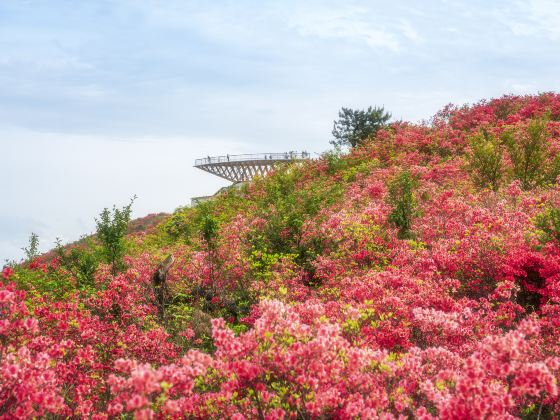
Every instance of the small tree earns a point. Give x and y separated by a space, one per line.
209 232
354 126
401 199
485 160
528 151
111 231
32 250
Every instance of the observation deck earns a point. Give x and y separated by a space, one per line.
241 168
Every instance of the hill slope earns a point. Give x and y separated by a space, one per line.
416 276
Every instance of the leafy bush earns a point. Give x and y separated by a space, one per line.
403 203
41 280
549 224
209 233
285 207
186 223
32 250
178 225
111 231
82 263
209 230
335 160
485 160
528 149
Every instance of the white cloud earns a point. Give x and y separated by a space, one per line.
540 18
546 14
350 23
409 32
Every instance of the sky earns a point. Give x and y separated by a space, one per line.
104 99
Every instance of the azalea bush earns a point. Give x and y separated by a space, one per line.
416 276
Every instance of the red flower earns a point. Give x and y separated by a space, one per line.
7 272
54 263
37 264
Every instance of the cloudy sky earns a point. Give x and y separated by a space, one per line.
104 99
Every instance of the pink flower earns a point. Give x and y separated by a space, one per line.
6 296
7 272
31 325
188 334
514 189
137 401
11 371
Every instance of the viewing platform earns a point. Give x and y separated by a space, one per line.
242 168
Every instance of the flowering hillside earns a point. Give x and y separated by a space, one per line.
417 276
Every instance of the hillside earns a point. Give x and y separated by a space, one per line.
416 276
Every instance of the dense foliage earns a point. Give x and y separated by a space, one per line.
417 276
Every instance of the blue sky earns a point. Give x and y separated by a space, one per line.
103 99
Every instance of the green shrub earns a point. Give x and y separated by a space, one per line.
208 227
32 250
553 171
403 202
81 262
548 222
187 222
291 205
528 150
178 225
485 160
38 283
209 230
335 160
111 231
285 205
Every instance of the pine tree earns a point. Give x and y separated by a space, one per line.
354 126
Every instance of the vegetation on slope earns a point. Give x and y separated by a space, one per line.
417 276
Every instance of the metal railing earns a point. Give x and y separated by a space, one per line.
272 157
